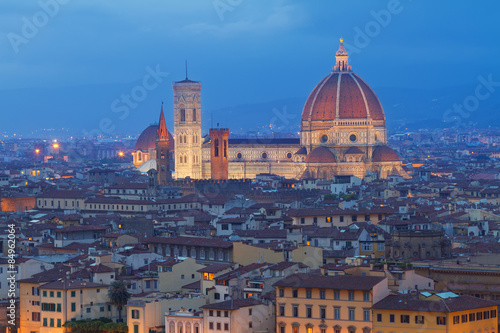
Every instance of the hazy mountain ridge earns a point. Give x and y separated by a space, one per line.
89 107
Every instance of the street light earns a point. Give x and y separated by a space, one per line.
37 151
121 154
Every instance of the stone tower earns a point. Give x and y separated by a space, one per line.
187 128
219 153
163 152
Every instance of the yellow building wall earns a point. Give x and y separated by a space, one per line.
173 281
329 303
244 254
430 322
27 307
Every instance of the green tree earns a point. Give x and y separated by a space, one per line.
118 296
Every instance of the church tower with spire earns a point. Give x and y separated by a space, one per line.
163 151
187 127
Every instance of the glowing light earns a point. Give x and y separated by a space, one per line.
55 145
121 154
37 151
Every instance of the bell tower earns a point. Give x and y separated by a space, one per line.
219 154
187 128
163 151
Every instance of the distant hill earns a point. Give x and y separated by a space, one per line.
89 108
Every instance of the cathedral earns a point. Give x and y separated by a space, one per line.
343 132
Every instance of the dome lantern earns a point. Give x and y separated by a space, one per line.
342 59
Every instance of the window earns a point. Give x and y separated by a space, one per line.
366 246
341 218
250 325
456 320
282 310
98 290
351 295
295 293
226 314
392 318
58 322
352 314
211 325
322 312
59 294
216 296
88 310
322 294
218 326
218 313
486 315
479 316
441 320
464 318
226 327
367 217
308 293
34 291
472 317
73 307
295 310
44 293
336 313
45 322
194 114
366 314
101 309
51 322
302 220
183 115
35 316
148 284
135 314
51 294
419 319
211 313
136 328
58 307
405 319
336 295
493 313
379 317
309 311
354 218
366 296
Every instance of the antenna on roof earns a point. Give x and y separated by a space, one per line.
186 69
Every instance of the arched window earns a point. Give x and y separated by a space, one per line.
183 115
194 115
179 328
171 327
188 327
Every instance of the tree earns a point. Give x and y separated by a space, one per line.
118 296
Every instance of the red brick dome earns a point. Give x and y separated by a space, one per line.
321 155
342 95
147 139
384 154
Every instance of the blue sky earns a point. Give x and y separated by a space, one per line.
245 51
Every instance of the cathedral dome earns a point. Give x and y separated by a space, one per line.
384 154
147 139
321 155
341 95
